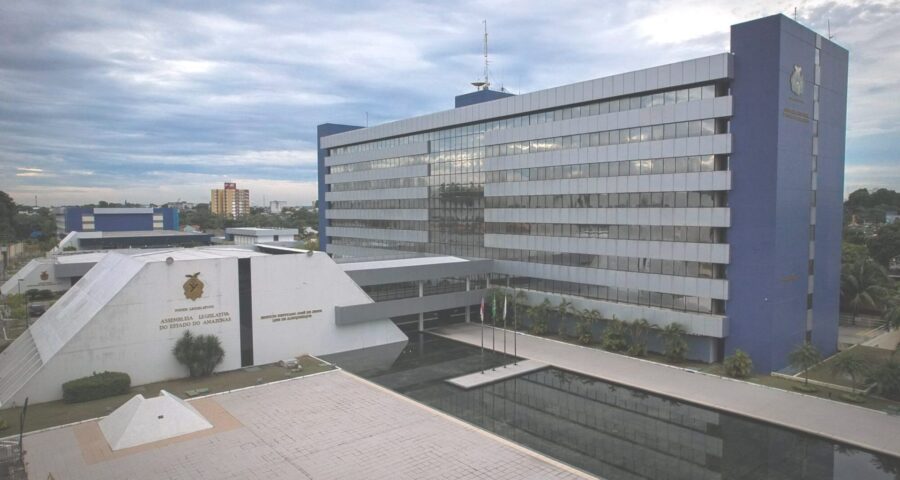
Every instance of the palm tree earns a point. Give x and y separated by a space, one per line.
891 314
615 335
850 364
564 309
674 341
585 326
804 357
519 299
638 332
539 314
862 286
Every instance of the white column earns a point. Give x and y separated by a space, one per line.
421 314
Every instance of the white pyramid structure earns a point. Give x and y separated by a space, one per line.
144 420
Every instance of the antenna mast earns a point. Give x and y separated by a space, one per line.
484 84
487 83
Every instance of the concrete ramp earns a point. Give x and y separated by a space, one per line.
144 420
478 379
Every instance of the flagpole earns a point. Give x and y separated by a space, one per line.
505 356
515 326
482 334
494 328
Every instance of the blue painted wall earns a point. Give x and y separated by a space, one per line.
479 96
325 130
770 197
120 222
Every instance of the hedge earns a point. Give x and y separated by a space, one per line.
98 385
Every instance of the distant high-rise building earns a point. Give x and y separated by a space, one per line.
230 201
275 206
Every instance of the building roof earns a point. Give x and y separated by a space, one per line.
400 262
258 232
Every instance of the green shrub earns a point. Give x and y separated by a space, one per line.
615 336
738 365
200 354
98 385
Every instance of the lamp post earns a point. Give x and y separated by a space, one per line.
26 302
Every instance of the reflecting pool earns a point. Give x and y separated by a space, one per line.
606 429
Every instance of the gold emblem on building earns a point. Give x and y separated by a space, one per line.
44 276
797 80
193 287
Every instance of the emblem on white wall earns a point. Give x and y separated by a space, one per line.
797 80
44 276
193 287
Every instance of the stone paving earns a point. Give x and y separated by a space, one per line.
326 426
844 423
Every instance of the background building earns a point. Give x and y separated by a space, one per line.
706 192
229 202
275 206
254 235
90 219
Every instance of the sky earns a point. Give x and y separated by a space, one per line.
151 102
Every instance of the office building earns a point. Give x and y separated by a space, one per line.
706 192
229 202
276 206
90 219
254 235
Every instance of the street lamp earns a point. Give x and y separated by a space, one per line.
26 302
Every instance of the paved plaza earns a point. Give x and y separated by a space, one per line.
841 422
327 426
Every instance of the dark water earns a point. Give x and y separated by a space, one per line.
611 431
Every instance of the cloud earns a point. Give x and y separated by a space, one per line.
166 99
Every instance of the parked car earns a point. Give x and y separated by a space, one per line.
36 310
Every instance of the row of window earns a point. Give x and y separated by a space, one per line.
697 163
621 104
622 295
613 137
378 204
615 232
400 290
386 224
695 128
691 199
655 266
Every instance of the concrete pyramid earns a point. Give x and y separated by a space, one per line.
144 420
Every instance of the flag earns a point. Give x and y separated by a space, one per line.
494 307
504 307
482 309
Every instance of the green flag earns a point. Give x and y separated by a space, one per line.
494 306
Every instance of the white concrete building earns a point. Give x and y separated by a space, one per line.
126 313
253 235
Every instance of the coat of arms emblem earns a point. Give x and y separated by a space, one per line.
193 287
797 80
44 276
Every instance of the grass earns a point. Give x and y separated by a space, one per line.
50 414
870 355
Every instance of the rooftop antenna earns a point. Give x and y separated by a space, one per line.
486 84
830 36
795 14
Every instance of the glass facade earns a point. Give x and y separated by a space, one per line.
457 159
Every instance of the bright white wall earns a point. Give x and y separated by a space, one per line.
125 333
291 284
31 272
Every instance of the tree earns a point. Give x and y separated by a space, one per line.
638 331
804 357
674 341
539 314
564 309
891 313
584 329
201 353
887 377
885 244
859 198
520 299
738 365
849 364
615 336
862 286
